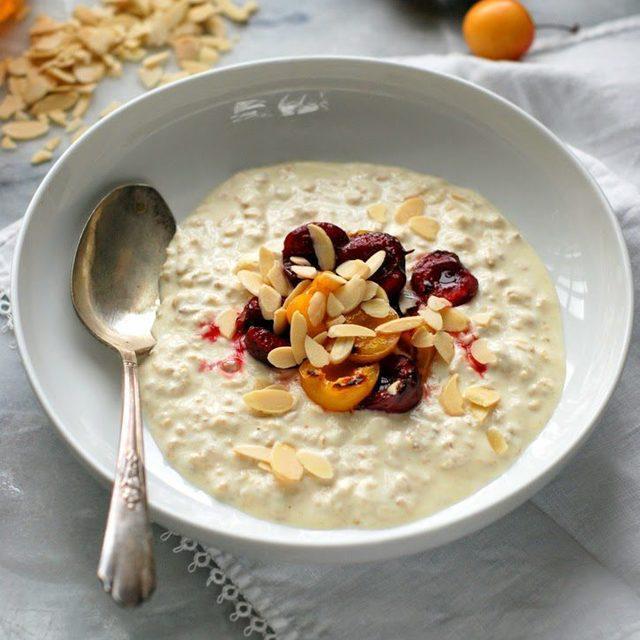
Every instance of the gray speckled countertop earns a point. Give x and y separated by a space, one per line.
51 511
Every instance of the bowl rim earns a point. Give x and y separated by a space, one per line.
395 538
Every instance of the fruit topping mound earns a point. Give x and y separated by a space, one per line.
328 306
441 274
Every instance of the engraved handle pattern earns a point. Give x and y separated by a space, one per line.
126 568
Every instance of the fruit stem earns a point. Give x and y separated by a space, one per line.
571 28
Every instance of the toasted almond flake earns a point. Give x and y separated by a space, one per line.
59 74
322 247
301 287
350 294
270 401
79 109
497 440
431 317
41 156
58 117
266 260
425 227
226 322
450 397
250 280
86 73
208 55
353 269
398 325
245 264
376 308
482 319
454 320
341 350
334 306
337 320
302 262
378 212
200 13
297 335
269 300
381 293
479 413
282 357
155 59
265 466
371 290
437 304
316 464
408 209
37 87
306 273
26 130
444 345
422 338
8 143
74 125
482 353
278 279
9 105
321 337
317 308
110 108
55 101
482 396
150 77
316 353
194 66
52 143
18 66
285 464
375 262
280 321
350 331
253 452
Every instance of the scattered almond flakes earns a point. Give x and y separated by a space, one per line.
497 440
353 269
25 130
53 143
315 464
334 306
376 308
398 325
422 338
350 295
317 308
341 350
282 357
316 353
253 452
425 227
408 209
59 117
285 464
269 300
266 260
482 319
431 317
280 321
437 304
226 322
41 156
269 401
10 105
350 331
482 396
297 336
378 212
74 125
55 101
450 397
8 144
375 262
155 59
444 345
482 353
454 320
304 272
278 279
323 247
250 280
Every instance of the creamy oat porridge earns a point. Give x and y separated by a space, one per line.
429 389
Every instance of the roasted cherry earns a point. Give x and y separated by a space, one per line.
298 243
399 387
442 274
251 316
391 275
260 341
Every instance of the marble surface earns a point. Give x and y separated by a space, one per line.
51 510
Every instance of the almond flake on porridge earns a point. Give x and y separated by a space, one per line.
408 209
322 247
297 334
450 397
269 300
378 212
282 358
454 320
266 260
350 294
400 324
482 353
316 353
425 227
497 440
285 464
482 396
250 280
317 308
482 319
353 269
376 308
371 291
226 322
350 331
270 401
334 306
301 262
316 464
304 272
341 350
444 345
437 304
253 451
422 338
431 317
375 262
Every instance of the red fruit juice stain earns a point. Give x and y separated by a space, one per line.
231 364
210 331
464 340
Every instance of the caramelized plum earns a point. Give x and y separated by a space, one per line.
441 273
260 341
399 387
391 275
298 243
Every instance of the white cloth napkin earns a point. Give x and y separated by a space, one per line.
566 564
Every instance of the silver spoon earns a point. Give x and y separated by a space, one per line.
115 293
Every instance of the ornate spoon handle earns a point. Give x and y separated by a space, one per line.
126 568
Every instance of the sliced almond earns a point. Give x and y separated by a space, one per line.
269 300
408 209
270 401
482 319
350 295
341 350
150 77
265 466
250 280
376 308
425 227
282 357
285 464
431 317
479 413
155 59
78 110
454 320
226 322
200 13
316 353
86 73
321 337
350 331
266 260
302 262
444 345
337 320
317 308
352 269
482 396
300 288
378 212
9 105
371 290
58 117
375 262
482 353
450 397
26 130
8 144
398 325
278 279
280 321
54 101
323 247
497 440
334 306
253 452
41 156
422 338
297 335
315 464
437 304
304 272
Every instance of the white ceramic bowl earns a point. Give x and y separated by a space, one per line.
188 137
